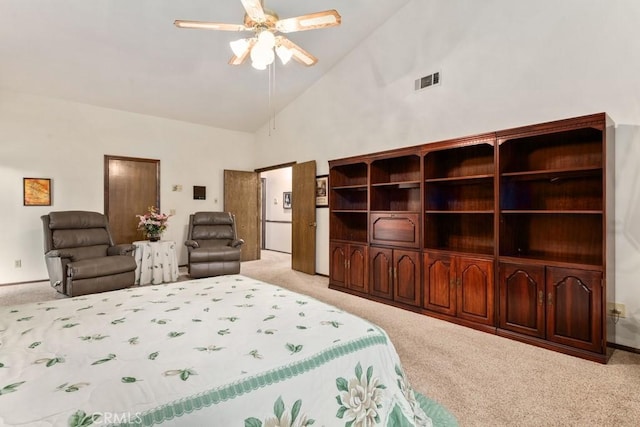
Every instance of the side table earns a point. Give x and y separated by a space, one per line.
156 262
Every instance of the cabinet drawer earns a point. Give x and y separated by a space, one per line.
397 229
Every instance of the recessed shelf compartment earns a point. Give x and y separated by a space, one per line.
558 237
352 174
459 195
553 192
348 198
399 197
572 149
467 161
349 226
460 232
395 170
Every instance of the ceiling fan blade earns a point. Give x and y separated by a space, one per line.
312 21
202 25
239 59
254 10
299 54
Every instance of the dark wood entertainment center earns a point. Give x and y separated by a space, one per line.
509 232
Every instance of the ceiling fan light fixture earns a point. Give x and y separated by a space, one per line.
284 54
259 65
267 38
262 54
239 47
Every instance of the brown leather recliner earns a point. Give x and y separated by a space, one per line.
81 256
213 245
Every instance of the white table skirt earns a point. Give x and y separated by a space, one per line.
156 262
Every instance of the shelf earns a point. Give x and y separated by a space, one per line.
551 212
350 188
554 174
460 180
578 262
399 185
544 259
458 212
350 211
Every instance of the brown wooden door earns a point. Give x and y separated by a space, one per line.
522 299
439 284
242 199
574 307
475 299
406 287
358 280
381 272
338 264
303 217
131 186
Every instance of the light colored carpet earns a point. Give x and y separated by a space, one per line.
483 379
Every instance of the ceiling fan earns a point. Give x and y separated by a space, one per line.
267 42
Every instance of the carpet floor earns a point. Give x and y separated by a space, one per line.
482 379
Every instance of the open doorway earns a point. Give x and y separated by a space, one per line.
277 209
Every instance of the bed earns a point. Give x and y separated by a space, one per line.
221 351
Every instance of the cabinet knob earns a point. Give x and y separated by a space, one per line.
550 299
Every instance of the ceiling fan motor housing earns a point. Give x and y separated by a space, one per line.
270 21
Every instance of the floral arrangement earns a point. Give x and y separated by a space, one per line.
153 223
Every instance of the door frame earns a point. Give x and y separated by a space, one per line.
263 206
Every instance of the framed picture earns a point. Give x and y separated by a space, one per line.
322 191
36 191
286 200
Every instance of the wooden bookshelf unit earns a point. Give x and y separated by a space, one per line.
509 232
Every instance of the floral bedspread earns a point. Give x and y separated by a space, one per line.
222 351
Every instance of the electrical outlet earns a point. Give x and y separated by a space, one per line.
172 211
18 263
615 309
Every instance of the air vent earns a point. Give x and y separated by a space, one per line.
427 81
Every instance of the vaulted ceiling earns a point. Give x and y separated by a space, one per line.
128 55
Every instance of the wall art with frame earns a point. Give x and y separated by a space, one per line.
36 191
286 200
322 191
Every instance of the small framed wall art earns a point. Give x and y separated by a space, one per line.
286 200
322 188
36 191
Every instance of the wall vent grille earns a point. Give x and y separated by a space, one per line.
427 81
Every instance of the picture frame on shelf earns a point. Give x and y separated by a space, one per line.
36 191
286 200
322 191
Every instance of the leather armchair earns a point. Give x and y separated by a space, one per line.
80 254
213 245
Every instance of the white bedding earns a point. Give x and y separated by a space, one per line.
222 351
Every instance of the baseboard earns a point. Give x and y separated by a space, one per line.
623 347
24 283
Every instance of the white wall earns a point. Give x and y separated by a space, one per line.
66 141
278 234
503 64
